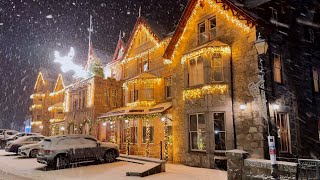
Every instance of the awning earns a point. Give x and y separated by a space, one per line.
138 110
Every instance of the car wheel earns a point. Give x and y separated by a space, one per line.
109 156
33 153
62 162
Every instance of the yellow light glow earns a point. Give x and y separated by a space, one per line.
66 102
145 82
205 51
57 93
208 89
55 120
40 77
142 28
36 106
141 103
36 123
52 108
90 95
37 95
149 51
225 13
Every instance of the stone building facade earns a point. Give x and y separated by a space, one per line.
85 100
219 41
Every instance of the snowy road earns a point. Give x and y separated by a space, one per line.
13 167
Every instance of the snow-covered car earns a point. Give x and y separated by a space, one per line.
4 141
30 150
13 146
6 133
64 150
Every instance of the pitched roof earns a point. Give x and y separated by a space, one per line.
187 14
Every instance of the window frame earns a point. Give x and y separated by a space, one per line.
190 132
168 85
199 32
197 81
215 27
274 68
225 130
315 69
213 66
288 131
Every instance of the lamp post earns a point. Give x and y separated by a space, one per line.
262 46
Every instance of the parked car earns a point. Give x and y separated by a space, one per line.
13 146
30 150
4 141
6 133
61 151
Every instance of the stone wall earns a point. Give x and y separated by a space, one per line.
241 168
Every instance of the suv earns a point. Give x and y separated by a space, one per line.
64 150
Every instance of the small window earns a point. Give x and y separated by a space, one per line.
144 134
107 97
197 132
38 117
213 31
168 83
277 68
114 97
202 33
308 34
149 92
195 71
217 68
315 74
219 131
134 95
144 65
283 129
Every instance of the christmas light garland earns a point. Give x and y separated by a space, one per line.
36 123
55 120
37 95
141 103
205 51
52 108
36 106
208 89
145 82
39 76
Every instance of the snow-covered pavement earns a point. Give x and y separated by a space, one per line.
13 167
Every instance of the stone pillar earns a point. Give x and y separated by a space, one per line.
235 161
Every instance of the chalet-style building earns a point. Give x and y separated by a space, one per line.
56 108
146 92
40 104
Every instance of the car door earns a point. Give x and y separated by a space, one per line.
89 148
29 140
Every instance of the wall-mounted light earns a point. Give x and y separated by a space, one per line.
104 124
243 107
62 128
41 127
275 107
126 121
163 118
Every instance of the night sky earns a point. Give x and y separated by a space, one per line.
31 30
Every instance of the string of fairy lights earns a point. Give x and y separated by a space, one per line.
141 103
206 51
208 89
145 82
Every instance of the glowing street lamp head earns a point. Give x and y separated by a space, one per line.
68 65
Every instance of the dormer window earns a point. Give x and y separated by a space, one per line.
202 33
212 25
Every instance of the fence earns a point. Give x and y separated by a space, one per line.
309 169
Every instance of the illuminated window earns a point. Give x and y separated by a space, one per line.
315 74
197 132
168 83
114 94
283 132
133 125
212 25
195 71
219 131
277 69
217 68
144 133
59 112
143 65
202 33
149 92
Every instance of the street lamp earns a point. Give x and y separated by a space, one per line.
262 47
